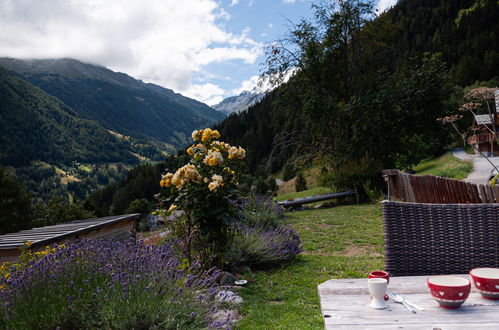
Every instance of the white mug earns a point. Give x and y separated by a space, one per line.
377 289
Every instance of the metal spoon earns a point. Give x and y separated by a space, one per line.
419 308
399 299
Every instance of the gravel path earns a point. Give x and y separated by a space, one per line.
481 167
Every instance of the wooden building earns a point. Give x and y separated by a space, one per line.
119 227
483 137
483 127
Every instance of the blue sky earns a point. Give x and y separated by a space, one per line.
262 21
205 49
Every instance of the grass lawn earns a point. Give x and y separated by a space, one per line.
340 242
305 193
446 165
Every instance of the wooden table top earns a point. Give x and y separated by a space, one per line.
344 305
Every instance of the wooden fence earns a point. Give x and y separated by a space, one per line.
437 190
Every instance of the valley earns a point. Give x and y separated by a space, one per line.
59 114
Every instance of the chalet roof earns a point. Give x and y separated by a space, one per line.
50 234
483 119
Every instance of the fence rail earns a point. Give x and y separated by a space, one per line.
437 190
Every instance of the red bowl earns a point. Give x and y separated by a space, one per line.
486 282
449 291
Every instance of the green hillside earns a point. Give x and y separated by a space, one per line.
117 101
37 126
368 89
366 94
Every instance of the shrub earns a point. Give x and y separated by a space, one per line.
287 171
300 183
261 210
353 173
272 185
262 246
204 190
141 205
261 187
107 285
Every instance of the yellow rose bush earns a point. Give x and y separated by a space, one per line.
201 193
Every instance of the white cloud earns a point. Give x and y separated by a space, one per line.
160 41
233 3
259 85
287 2
247 85
385 4
210 93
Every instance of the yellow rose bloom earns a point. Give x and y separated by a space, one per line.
213 158
215 134
241 153
177 179
217 178
213 186
196 135
185 174
166 180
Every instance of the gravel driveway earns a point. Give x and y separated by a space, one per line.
481 167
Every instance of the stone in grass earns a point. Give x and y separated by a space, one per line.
226 278
228 297
224 314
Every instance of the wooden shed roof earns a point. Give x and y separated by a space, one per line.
49 234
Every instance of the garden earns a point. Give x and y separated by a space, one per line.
214 236
224 259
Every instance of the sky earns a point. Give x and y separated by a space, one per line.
204 49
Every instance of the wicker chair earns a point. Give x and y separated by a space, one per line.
426 239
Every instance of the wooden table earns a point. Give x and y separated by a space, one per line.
344 305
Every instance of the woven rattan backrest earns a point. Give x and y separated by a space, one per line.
427 239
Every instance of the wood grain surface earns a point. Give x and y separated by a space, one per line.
344 305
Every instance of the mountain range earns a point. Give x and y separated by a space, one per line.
70 127
38 126
117 101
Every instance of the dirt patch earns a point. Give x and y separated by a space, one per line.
287 187
350 251
275 302
153 238
357 251
69 178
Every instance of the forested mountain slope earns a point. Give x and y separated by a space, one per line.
37 126
466 32
366 94
368 89
117 101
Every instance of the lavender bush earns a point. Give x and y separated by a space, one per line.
102 284
262 245
262 238
261 210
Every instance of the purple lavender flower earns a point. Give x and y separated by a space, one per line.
92 273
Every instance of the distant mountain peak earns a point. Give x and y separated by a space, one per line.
239 103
